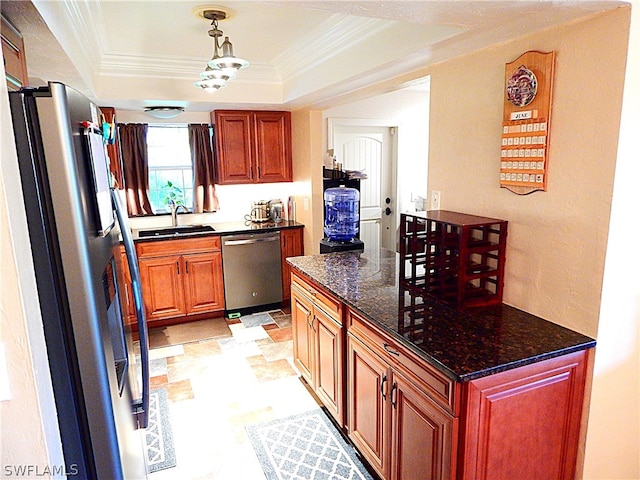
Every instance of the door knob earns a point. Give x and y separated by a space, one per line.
387 211
387 200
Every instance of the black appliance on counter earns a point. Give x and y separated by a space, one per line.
98 365
332 179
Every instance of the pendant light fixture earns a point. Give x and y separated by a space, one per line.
224 64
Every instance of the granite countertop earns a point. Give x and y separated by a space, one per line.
226 228
464 345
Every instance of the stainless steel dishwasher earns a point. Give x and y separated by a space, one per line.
252 270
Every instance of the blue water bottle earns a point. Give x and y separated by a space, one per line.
342 213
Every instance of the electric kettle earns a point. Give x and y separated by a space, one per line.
276 208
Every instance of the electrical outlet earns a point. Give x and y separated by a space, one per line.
435 199
305 204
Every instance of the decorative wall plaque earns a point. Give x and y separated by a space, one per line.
526 122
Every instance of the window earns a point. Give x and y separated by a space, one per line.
170 167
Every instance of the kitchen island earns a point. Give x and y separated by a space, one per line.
425 390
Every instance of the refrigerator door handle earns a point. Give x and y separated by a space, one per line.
141 409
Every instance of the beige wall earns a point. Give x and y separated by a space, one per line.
306 133
557 239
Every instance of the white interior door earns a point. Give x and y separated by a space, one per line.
370 148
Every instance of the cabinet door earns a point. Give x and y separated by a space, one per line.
234 147
544 401
162 286
273 146
368 388
291 245
203 288
303 339
422 435
329 363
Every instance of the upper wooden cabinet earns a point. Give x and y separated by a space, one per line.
15 64
252 146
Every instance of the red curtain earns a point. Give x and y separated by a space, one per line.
204 190
133 144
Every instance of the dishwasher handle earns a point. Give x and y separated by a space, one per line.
250 241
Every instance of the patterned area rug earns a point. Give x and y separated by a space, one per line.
160 452
305 446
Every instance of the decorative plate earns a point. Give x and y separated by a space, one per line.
522 87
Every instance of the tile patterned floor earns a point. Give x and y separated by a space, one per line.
218 386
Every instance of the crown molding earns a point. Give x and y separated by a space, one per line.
156 66
78 27
334 36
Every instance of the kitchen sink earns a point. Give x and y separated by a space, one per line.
175 231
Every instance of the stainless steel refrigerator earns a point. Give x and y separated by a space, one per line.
98 361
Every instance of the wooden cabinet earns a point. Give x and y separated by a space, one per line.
291 245
162 286
181 277
318 352
410 421
15 63
204 289
525 423
252 146
126 291
399 428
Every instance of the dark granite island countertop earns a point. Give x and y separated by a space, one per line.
464 345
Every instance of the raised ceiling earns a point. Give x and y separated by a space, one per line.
132 54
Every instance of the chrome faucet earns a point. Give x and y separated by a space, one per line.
174 212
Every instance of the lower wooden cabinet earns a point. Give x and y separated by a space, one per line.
399 429
291 245
318 350
368 421
422 433
162 286
181 277
203 284
126 291
525 423
410 421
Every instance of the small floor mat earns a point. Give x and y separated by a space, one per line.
159 437
188 332
256 319
305 446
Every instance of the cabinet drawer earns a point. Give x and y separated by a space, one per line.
427 378
186 245
320 297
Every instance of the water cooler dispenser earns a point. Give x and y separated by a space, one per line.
341 216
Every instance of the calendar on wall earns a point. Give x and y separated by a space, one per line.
526 122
